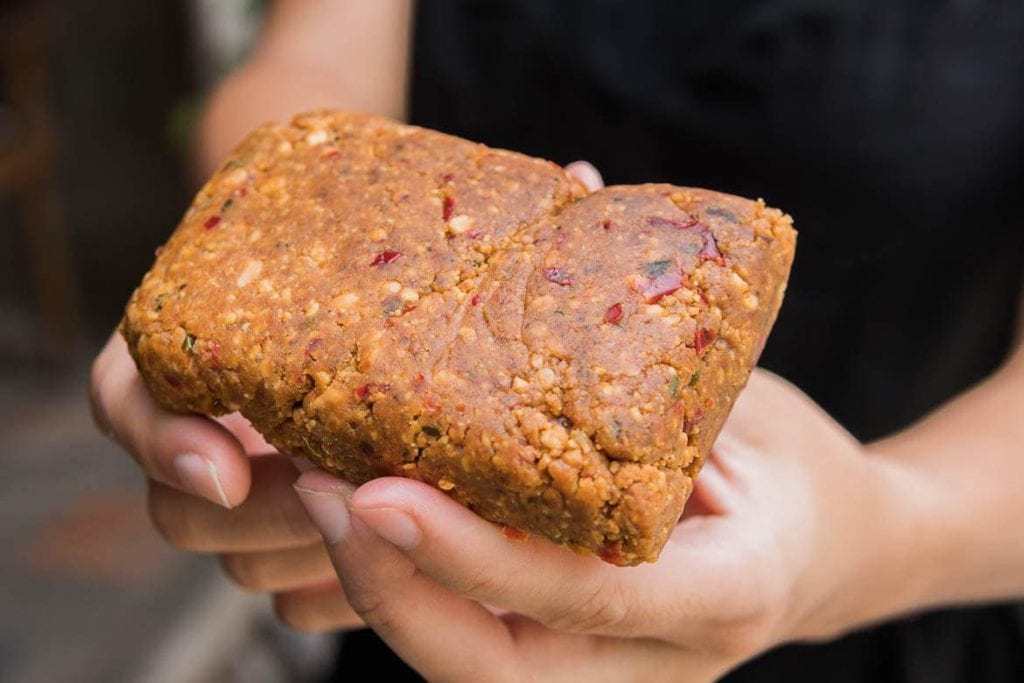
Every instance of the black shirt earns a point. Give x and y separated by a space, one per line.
893 132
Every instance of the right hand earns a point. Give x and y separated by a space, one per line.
217 486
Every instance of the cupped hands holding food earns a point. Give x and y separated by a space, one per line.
793 532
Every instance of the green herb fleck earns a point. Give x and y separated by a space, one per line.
723 213
188 344
694 378
673 386
158 303
432 431
617 429
656 268
227 204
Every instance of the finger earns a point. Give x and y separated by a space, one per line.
319 608
441 635
271 518
252 441
272 571
676 598
560 589
191 453
586 173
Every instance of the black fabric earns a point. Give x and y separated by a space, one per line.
361 652
893 131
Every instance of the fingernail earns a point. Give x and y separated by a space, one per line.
394 526
199 476
328 511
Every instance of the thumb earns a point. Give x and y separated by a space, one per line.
425 624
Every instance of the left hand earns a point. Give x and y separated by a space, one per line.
785 538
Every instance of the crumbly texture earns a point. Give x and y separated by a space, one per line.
388 300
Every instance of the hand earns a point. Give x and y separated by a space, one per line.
217 486
781 532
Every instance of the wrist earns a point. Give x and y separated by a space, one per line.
887 559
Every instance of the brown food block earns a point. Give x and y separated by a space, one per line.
388 300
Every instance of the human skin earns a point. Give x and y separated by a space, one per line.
795 530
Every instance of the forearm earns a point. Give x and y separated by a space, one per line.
345 54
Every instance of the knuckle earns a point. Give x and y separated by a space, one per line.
171 519
738 638
604 608
246 572
481 582
297 613
746 627
371 606
296 521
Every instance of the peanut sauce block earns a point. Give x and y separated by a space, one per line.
388 300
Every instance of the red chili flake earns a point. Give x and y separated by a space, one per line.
448 177
690 423
614 314
172 380
333 154
704 298
607 224
448 207
561 237
685 224
653 289
475 233
611 554
475 301
312 346
213 348
159 250
514 533
703 339
385 257
242 191
558 276
433 401
211 222
371 388
419 377
710 249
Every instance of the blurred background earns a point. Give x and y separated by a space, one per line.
96 100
